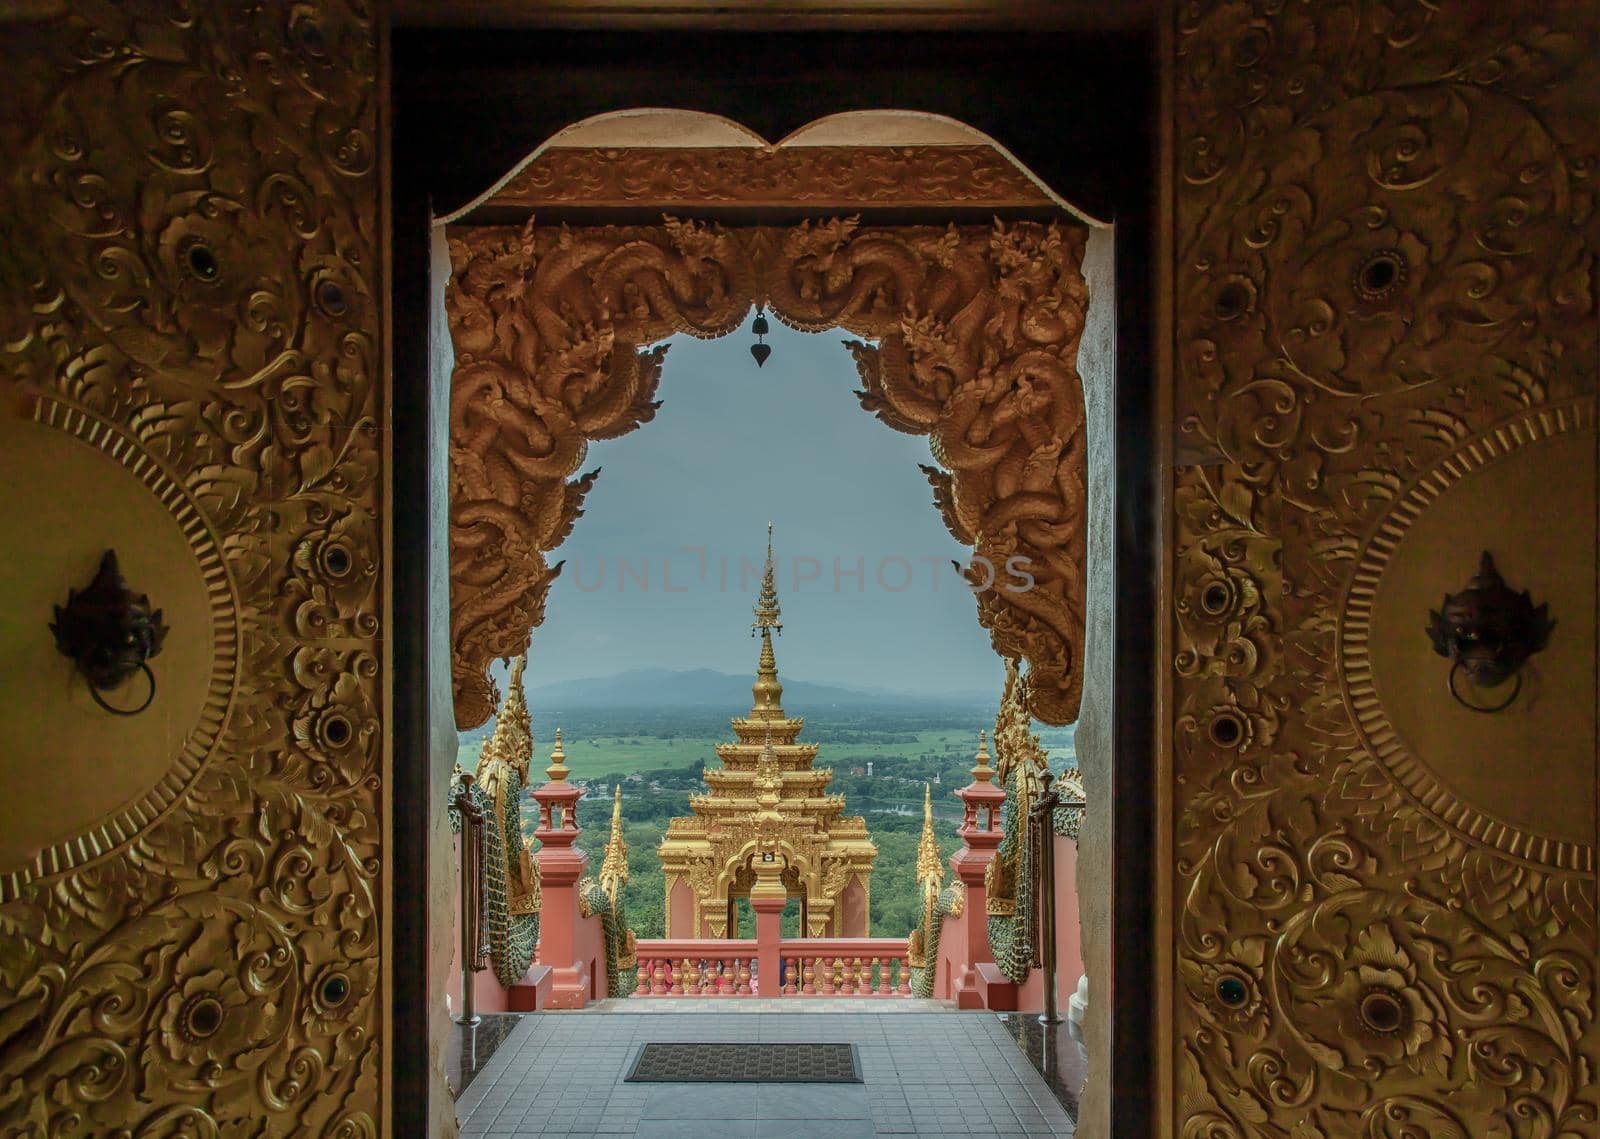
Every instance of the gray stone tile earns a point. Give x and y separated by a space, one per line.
814 1129
696 1129
701 1101
562 1072
811 1101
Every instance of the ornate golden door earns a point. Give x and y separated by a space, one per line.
1383 361
1381 916
191 898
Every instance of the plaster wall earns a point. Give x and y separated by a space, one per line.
443 870
952 958
1095 741
680 910
853 910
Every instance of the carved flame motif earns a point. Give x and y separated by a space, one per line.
976 332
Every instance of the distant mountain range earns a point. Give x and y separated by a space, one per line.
704 687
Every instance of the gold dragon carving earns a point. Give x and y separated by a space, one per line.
975 332
190 226
1385 246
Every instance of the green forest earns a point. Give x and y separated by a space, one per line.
658 755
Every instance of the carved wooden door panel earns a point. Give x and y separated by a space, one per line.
190 320
1384 361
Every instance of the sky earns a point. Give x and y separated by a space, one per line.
653 568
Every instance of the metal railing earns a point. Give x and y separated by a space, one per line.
1041 834
474 853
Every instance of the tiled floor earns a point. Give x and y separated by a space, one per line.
1057 1053
471 1047
926 1073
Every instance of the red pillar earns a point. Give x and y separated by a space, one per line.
980 834
769 919
562 945
767 899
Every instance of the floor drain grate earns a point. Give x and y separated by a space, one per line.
746 1063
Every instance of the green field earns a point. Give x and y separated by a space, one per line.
658 757
593 757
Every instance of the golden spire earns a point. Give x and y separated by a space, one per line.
981 771
558 770
767 612
614 868
930 865
767 691
511 742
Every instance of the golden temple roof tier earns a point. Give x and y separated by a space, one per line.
796 809
766 794
753 730
798 755
735 781
851 824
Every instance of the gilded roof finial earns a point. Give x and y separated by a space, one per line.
767 611
930 866
614 868
768 692
558 770
981 771
511 742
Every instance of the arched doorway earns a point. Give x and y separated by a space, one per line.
976 330
971 326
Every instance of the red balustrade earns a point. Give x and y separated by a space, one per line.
845 967
810 967
689 967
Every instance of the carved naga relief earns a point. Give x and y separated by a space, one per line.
189 219
1386 235
976 332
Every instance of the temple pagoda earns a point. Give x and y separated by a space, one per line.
768 802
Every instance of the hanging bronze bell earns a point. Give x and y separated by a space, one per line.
760 350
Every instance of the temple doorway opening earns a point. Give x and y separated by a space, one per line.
767 874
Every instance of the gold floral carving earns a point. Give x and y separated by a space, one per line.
1385 238
814 176
190 280
975 334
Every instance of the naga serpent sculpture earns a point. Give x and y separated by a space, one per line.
1009 880
511 894
603 897
622 975
923 949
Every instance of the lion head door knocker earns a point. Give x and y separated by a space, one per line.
1489 631
110 633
